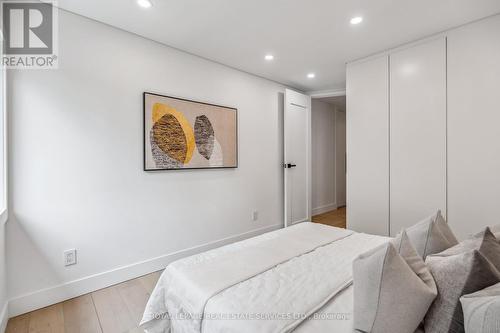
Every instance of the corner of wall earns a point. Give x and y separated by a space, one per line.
4 313
4 316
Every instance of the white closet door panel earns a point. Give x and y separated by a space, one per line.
418 133
297 140
368 146
474 126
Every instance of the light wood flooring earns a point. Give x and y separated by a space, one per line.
335 218
116 309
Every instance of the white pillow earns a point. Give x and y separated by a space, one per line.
482 310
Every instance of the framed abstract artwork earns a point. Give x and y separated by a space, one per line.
185 134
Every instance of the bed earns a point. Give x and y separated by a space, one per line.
295 279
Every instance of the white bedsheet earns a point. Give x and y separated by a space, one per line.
334 317
270 283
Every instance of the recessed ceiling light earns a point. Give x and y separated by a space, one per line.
356 20
144 3
311 76
269 57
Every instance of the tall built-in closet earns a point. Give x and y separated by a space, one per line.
423 133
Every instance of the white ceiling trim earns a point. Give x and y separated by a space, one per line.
327 93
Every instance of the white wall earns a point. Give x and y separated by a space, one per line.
323 156
3 279
76 164
340 156
3 205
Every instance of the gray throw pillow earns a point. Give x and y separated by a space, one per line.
482 310
485 242
431 235
393 289
456 275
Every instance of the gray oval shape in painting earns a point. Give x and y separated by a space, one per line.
204 136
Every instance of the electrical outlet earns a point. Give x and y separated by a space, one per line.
255 215
70 257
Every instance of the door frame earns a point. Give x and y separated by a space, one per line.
311 95
323 94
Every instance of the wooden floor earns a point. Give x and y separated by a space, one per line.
117 309
335 218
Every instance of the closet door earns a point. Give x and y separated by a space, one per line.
418 133
473 126
367 127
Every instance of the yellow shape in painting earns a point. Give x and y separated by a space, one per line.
159 110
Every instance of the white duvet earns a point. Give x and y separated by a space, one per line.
282 281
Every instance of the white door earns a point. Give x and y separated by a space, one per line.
368 146
297 163
418 133
473 134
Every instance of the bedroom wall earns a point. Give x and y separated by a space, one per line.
3 211
3 279
340 157
323 156
76 165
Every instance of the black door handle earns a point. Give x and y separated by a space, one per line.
289 165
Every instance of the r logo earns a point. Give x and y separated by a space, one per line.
28 28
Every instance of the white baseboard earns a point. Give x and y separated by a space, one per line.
45 297
4 317
324 209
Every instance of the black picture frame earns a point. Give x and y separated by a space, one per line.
145 93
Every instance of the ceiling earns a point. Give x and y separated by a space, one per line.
303 35
337 101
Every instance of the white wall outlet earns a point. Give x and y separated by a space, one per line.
70 257
255 215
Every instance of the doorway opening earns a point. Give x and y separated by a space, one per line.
328 160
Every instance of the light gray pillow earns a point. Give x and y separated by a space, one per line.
496 231
393 289
406 250
456 275
482 310
431 235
